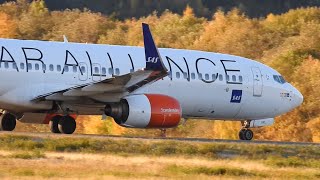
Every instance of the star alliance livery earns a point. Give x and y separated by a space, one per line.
53 82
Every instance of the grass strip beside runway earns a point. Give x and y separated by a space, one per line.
157 147
129 158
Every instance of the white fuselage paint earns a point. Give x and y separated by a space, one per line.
200 96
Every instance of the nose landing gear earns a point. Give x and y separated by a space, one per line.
245 133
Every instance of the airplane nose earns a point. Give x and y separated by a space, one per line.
297 98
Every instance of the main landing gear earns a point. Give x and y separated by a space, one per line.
163 133
245 133
63 124
7 122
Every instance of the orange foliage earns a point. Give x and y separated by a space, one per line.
8 26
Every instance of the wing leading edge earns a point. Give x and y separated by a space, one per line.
130 82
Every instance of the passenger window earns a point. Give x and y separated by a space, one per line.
206 76
51 68
21 65
83 69
214 77
240 79
234 79
193 76
170 74
58 68
117 71
75 69
36 66
6 65
96 70
200 76
14 65
44 67
178 75
110 71
220 77
29 66
185 75
66 68
104 71
227 77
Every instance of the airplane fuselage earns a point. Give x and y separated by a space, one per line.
208 85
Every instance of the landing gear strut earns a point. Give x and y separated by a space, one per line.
7 122
63 124
163 133
245 133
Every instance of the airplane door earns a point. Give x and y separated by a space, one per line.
83 74
96 72
257 81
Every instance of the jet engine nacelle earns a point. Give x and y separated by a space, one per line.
146 111
261 122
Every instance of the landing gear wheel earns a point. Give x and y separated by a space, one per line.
67 125
246 134
7 122
54 124
241 134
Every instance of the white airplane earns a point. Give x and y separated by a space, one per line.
53 82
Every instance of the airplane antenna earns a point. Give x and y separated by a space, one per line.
65 39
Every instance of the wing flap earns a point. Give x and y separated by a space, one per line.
59 97
79 92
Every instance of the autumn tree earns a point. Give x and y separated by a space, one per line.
118 35
177 31
234 33
8 26
95 125
79 26
15 8
35 22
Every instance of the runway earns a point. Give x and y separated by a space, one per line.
198 140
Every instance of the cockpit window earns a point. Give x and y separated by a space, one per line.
279 79
282 79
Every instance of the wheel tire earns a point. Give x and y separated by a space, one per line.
67 125
54 124
248 135
7 122
241 134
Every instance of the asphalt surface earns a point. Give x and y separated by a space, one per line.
204 140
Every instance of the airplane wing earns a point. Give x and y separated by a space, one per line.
130 82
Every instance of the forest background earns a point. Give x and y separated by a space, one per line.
288 42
